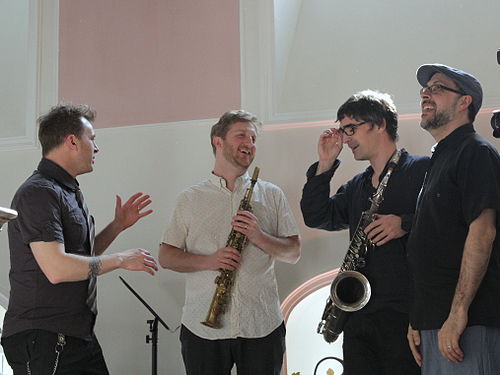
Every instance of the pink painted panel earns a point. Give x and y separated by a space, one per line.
150 61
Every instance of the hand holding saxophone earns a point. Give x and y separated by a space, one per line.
226 258
384 228
246 223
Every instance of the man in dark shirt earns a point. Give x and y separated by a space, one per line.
55 258
454 246
375 336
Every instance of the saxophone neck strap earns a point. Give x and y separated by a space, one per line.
378 195
392 164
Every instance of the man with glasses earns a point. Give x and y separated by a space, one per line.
375 336
454 246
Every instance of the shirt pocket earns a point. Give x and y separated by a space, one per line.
76 233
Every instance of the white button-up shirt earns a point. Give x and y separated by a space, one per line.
201 224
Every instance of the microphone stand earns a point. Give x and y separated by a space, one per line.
153 328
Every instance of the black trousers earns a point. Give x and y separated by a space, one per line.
263 356
36 349
376 344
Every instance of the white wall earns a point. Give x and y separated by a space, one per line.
163 159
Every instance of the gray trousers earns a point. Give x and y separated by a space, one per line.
481 348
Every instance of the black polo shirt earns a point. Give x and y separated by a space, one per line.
463 180
47 211
386 265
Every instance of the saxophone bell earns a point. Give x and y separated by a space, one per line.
350 291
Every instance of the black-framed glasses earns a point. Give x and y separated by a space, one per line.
350 129
437 88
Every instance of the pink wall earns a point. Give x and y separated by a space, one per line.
150 61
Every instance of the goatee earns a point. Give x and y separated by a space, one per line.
441 118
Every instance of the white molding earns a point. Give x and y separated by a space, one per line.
48 55
42 72
257 57
259 86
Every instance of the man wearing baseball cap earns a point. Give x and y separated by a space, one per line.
454 245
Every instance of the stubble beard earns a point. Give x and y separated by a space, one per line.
233 159
441 118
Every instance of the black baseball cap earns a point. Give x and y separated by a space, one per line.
465 81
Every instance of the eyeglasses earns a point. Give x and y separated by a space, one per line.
437 88
351 128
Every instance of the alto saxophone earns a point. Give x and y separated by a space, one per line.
225 279
350 290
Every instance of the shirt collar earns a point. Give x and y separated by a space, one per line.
222 183
58 173
454 137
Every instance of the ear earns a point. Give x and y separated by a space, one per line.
465 102
382 125
71 141
217 141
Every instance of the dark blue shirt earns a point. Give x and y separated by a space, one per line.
386 265
47 211
463 180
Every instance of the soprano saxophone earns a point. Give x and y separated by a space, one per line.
225 279
350 290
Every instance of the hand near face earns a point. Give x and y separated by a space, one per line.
330 145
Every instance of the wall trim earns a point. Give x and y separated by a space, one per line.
42 74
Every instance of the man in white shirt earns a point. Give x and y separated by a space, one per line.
252 333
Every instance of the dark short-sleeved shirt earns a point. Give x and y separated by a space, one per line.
47 211
386 266
463 180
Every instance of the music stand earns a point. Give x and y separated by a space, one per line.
153 328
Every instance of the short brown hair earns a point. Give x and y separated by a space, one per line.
62 120
222 126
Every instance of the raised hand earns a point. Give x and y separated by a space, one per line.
129 213
330 145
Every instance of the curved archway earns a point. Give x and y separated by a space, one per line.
302 312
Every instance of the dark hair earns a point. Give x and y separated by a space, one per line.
372 106
222 126
62 120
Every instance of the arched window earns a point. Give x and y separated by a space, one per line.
302 311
